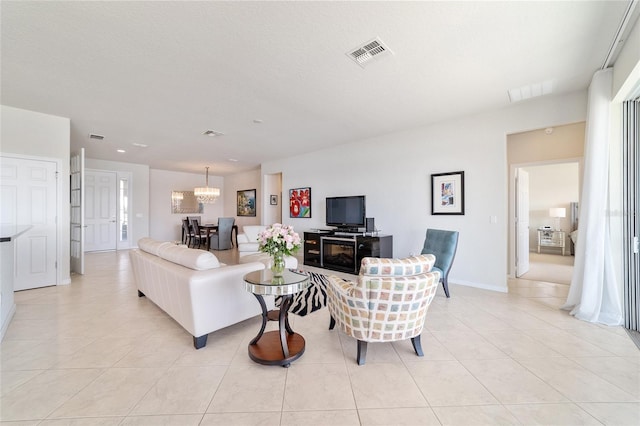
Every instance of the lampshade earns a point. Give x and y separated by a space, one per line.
557 213
206 195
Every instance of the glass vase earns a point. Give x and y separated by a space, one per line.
277 264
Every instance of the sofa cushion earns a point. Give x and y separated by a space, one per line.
152 246
199 260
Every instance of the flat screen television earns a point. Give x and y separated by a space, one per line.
346 212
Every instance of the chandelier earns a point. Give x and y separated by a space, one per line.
205 194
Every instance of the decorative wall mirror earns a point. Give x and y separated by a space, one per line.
185 202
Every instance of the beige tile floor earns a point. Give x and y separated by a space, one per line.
93 353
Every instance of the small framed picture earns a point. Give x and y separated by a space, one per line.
273 200
447 193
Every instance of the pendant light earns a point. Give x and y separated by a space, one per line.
205 194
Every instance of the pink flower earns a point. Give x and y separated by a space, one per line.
279 238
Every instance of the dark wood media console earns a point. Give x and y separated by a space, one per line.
343 252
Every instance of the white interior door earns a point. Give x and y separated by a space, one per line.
100 215
522 222
77 211
29 197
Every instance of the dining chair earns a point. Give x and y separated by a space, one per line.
187 234
199 235
221 240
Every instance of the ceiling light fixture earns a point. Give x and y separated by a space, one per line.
121 151
205 194
139 145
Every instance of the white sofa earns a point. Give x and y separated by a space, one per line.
200 293
248 240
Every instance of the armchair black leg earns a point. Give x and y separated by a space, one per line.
140 294
200 342
417 346
362 352
445 286
332 323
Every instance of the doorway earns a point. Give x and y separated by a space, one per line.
553 155
100 189
552 191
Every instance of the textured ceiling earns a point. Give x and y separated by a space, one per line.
161 73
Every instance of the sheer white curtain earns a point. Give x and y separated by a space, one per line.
594 295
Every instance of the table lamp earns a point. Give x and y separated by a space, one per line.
557 213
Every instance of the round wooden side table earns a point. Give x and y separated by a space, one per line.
283 346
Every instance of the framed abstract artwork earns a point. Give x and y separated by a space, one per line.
447 193
247 202
300 202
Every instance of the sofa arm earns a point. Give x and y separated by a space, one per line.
219 297
242 238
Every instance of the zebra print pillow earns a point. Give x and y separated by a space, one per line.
311 299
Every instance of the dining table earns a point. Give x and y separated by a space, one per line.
211 227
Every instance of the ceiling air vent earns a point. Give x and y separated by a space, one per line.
373 49
96 137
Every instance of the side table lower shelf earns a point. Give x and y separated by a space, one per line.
268 350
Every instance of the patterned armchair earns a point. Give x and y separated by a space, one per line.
388 302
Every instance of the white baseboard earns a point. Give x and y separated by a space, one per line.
482 286
7 321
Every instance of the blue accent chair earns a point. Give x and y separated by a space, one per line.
443 245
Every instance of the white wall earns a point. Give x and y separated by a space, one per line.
239 182
167 226
139 215
272 185
551 185
34 134
394 171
